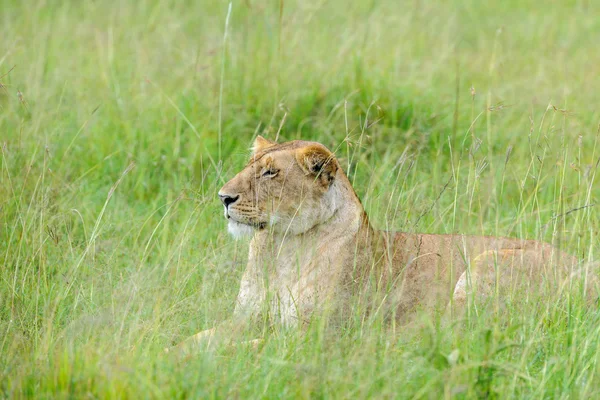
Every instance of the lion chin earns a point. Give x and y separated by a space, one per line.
239 230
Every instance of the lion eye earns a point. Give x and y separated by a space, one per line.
269 173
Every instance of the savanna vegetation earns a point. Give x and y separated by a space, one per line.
120 120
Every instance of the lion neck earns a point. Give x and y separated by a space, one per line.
344 224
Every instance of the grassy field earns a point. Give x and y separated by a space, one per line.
119 122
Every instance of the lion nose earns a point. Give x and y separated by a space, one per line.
227 199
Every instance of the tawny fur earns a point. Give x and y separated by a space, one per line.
313 245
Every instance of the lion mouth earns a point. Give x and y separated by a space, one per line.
251 224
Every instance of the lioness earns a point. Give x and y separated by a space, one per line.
313 245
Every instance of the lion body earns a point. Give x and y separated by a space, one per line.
324 250
314 248
329 263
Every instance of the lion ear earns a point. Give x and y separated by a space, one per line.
260 144
316 160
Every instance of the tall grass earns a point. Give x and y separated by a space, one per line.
115 117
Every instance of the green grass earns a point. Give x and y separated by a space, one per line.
121 120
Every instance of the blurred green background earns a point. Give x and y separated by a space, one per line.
119 122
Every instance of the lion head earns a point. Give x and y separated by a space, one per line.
287 187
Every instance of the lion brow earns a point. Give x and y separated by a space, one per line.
285 146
